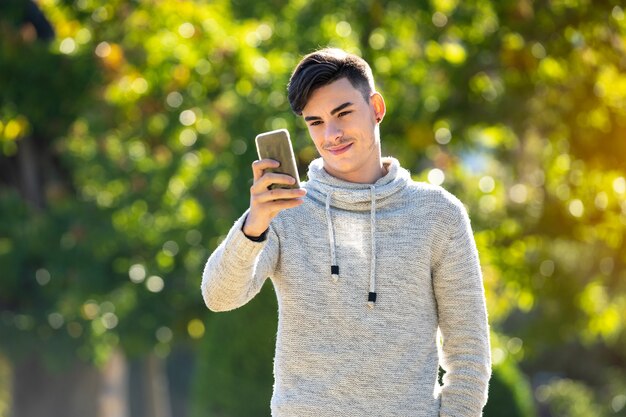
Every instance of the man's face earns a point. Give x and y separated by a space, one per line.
343 126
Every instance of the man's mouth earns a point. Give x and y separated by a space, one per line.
337 150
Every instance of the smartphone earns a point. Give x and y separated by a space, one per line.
276 145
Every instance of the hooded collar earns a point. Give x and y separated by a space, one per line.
355 196
339 194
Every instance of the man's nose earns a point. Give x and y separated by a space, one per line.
333 132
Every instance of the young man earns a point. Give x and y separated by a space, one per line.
367 266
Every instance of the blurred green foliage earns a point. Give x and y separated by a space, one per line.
510 393
148 111
241 363
5 386
567 398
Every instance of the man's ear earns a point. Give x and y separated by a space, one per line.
378 105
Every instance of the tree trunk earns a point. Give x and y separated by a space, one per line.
157 390
81 391
29 172
114 392
39 392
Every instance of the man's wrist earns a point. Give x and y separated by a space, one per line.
253 237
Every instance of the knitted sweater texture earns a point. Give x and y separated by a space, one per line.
341 351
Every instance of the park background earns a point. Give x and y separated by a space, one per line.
126 138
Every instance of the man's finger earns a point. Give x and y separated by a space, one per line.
277 206
259 166
270 178
280 194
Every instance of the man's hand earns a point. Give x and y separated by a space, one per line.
265 204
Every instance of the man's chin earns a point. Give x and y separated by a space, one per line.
336 169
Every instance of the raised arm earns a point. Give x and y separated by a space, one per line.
235 272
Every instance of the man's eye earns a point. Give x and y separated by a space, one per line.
315 123
344 113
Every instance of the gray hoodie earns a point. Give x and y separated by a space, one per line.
365 276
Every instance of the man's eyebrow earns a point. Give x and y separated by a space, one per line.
332 112
339 108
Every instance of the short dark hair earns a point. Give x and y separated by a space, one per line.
323 67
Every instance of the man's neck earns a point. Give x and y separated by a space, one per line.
361 177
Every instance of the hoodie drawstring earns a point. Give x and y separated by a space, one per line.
334 268
371 297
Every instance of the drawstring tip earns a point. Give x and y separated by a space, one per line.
334 271
371 299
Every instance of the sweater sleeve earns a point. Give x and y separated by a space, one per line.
465 353
237 269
